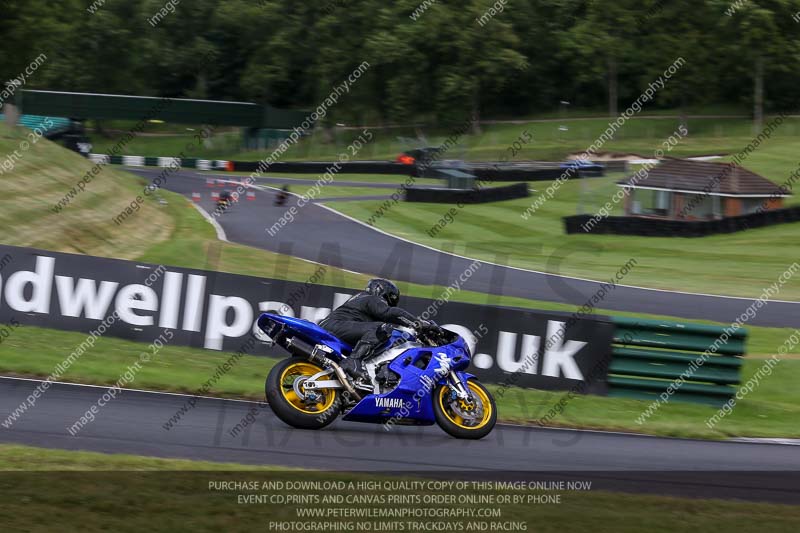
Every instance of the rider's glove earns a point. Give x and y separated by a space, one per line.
428 326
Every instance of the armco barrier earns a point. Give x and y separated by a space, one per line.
654 227
648 356
489 173
304 167
532 171
467 196
522 171
142 161
616 165
320 167
484 171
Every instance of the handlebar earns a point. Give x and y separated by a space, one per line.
428 337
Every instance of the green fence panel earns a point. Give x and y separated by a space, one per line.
672 371
669 356
690 362
680 340
663 325
628 388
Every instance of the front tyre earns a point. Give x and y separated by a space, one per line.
462 419
292 404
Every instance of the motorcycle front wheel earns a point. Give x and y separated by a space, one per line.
292 403
463 419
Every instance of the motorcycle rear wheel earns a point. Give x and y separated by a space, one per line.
298 411
481 415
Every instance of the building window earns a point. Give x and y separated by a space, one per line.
651 202
754 205
702 206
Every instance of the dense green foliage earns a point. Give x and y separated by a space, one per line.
430 60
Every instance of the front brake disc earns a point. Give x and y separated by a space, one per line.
468 411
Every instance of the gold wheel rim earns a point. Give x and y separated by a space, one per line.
480 397
286 382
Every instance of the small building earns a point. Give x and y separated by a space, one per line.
682 189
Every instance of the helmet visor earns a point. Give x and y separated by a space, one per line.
392 298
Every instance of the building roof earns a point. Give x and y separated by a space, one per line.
705 177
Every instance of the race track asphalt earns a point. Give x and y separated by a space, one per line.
135 421
321 234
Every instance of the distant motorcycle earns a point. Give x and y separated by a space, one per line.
224 201
418 379
282 196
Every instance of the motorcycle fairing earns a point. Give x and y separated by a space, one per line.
421 370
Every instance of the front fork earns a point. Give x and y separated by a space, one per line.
458 386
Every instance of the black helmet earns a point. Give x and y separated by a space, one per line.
385 289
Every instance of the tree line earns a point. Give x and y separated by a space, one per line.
454 58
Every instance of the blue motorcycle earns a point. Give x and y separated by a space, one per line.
415 379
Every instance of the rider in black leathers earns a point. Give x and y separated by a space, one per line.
365 321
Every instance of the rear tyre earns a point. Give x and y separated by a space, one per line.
290 402
461 419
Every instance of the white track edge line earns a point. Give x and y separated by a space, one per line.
767 440
220 231
164 393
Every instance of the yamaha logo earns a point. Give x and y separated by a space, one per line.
395 403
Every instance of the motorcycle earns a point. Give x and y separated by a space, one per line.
282 196
417 378
224 201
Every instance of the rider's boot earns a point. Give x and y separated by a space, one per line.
353 364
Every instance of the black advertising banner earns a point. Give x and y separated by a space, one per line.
217 311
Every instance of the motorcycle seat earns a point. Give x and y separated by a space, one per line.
323 335
308 331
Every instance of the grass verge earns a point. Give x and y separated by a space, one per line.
43 175
117 493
